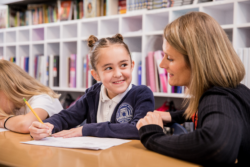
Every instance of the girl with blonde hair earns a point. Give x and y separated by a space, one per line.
16 84
199 55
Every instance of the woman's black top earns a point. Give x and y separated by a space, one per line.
222 134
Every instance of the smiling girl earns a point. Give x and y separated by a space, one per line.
112 107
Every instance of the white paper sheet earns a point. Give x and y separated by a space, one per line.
93 143
2 130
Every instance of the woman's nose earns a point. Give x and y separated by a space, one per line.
164 63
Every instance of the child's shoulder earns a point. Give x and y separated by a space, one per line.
94 88
141 88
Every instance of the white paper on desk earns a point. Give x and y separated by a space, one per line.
2 130
93 143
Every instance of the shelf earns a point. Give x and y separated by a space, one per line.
160 32
1 52
142 31
1 38
242 37
180 12
89 28
229 26
109 27
175 95
10 36
69 31
38 34
246 25
223 13
68 89
23 36
134 43
243 12
53 33
132 24
68 48
132 34
156 21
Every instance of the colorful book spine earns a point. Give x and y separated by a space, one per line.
73 70
56 69
161 71
151 74
139 73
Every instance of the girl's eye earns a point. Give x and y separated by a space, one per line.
124 65
108 68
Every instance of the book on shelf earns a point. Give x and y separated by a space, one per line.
12 59
161 71
39 65
66 9
47 76
73 70
136 57
150 72
3 16
140 73
122 6
84 72
90 8
56 70
24 63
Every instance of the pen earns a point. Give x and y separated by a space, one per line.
32 110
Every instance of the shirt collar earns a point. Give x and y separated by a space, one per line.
104 97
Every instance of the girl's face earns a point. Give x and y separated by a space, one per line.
6 105
178 70
114 69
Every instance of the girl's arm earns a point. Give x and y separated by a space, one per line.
21 123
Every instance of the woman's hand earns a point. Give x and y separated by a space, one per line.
151 118
39 130
75 132
165 116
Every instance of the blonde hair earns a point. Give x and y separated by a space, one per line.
209 53
15 83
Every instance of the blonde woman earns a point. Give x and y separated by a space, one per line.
16 84
199 55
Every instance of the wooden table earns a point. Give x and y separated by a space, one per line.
14 153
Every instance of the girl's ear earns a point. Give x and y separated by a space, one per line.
95 75
132 64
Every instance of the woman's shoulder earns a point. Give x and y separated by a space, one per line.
240 93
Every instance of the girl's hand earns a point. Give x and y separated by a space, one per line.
150 118
2 120
39 130
75 132
165 116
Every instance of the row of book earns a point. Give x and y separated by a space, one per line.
87 79
244 54
133 5
156 77
40 73
24 63
62 10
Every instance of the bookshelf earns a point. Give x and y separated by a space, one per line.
142 31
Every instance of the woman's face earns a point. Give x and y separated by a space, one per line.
6 105
178 70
